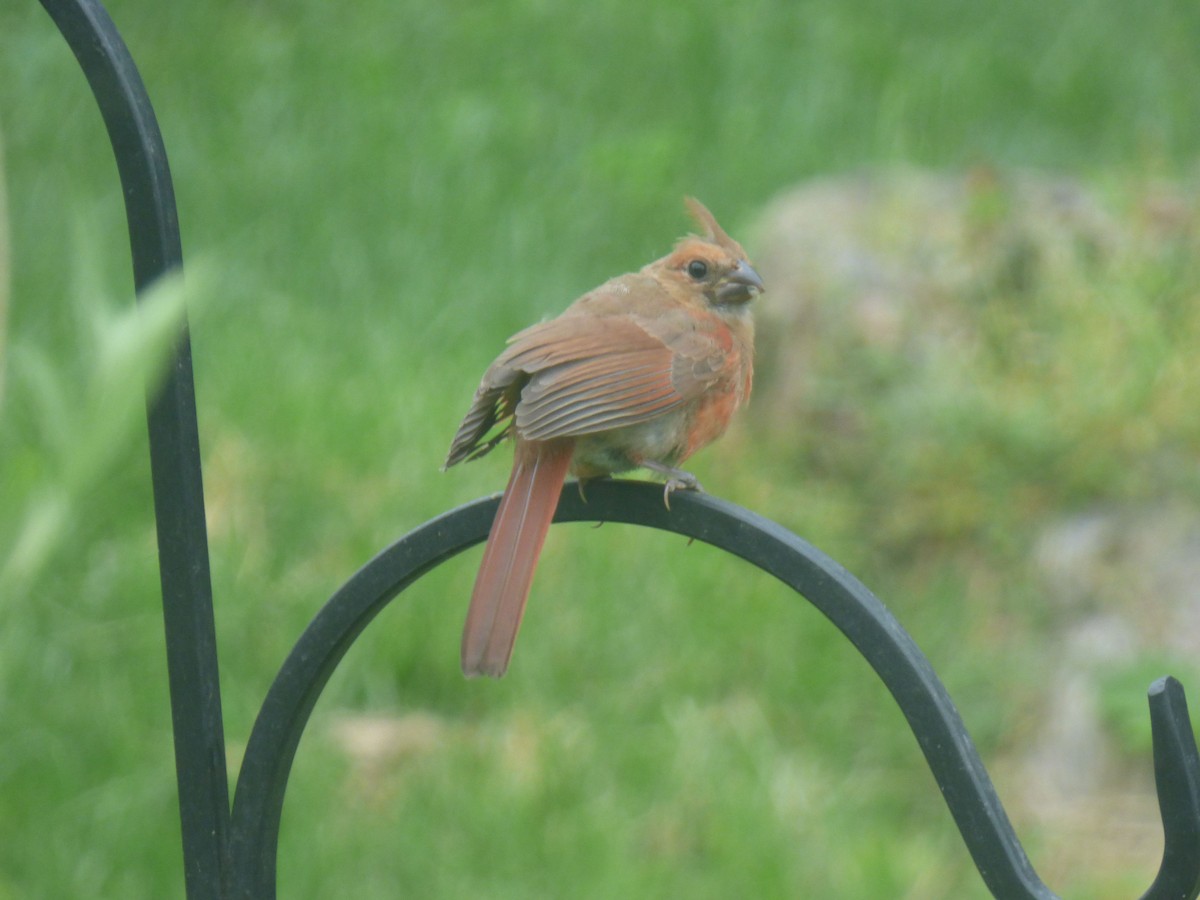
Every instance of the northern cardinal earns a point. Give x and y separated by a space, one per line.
641 372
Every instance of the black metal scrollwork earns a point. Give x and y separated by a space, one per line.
232 853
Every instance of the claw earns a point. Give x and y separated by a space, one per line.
677 480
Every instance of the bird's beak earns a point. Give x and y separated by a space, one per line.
740 285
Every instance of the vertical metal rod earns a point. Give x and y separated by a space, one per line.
174 448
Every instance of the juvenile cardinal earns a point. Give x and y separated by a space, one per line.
639 373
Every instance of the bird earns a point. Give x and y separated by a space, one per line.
638 373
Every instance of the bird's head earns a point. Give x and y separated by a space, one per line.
712 263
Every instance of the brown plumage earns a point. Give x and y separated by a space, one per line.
641 372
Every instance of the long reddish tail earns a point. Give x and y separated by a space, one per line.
513 547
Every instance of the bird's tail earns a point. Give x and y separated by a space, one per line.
513 547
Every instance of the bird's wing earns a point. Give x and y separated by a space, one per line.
589 374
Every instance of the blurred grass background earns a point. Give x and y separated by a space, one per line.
380 193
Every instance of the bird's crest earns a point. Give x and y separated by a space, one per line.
713 232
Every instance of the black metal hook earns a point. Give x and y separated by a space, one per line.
238 855
1176 774
872 629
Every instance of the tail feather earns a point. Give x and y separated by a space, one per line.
513 547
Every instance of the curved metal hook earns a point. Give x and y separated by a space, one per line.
965 785
191 645
1177 779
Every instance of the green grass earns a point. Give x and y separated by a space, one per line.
380 193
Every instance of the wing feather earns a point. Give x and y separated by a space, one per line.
580 374
596 369
537 406
579 418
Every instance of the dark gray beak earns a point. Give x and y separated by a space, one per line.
740 285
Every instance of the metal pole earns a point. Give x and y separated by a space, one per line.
174 448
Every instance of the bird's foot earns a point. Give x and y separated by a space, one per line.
677 479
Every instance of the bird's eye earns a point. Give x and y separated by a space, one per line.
697 269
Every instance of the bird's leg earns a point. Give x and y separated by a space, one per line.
677 479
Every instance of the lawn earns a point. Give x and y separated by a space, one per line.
373 196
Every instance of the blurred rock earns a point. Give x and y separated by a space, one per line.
1126 581
897 261
1138 563
890 291
1126 584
